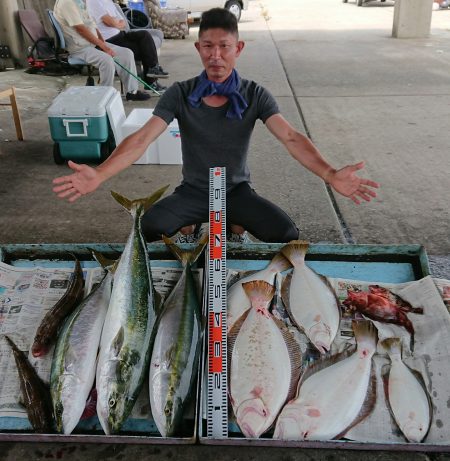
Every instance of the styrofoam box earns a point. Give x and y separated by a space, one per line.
166 149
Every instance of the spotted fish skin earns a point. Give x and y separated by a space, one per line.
128 331
265 363
334 394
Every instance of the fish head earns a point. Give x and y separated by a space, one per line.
253 417
113 402
320 335
39 349
355 299
414 430
173 411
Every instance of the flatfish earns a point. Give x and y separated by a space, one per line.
238 302
309 299
265 363
334 394
406 395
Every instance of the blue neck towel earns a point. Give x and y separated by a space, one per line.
228 88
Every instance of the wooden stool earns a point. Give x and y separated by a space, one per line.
11 92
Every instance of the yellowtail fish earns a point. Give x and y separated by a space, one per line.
334 394
238 302
407 398
176 350
309 299
265 363
128 331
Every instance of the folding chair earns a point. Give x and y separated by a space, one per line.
61 48
43 48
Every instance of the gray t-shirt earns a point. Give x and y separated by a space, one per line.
208 138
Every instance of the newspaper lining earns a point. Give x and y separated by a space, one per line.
26 294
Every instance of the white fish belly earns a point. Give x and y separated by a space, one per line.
312 302
409 402
260 365
328 401
238 302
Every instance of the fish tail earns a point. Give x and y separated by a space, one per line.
366 334
140 205
279 263
393 346
186 256
259 288
107 264
295 251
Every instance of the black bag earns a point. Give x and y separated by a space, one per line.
43 49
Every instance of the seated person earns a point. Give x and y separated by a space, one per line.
84 41
112 26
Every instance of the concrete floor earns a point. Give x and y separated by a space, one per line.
338 76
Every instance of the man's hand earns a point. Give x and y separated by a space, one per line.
348 184
107 49
85 180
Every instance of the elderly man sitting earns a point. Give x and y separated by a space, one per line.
113 28
84 41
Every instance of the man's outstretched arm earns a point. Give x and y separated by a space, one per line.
345 181
86 179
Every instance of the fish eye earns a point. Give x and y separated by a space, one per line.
112 403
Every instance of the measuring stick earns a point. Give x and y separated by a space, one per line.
217 414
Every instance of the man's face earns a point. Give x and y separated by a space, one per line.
218 51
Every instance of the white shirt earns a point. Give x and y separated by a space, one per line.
70 13
99 8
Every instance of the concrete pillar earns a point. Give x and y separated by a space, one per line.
10 30
412 18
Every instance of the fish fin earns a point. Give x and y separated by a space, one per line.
368 404
284 292
280 263
117 342
295 356
259 288
295 248
186 256
232 335
142 203
285 289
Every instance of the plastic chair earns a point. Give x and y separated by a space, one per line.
61 47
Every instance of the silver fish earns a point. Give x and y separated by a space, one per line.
127 335
175 356
75 358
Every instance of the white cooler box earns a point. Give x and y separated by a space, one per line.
166 150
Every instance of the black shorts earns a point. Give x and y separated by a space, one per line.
189 205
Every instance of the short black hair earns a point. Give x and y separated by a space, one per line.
218 18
